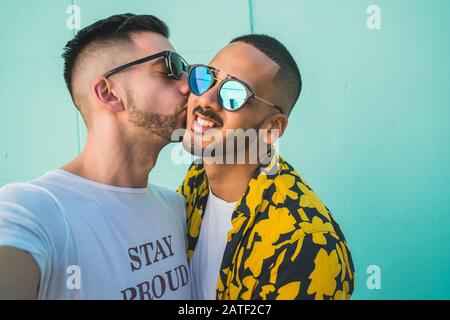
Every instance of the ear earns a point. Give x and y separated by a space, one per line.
105 92
275 126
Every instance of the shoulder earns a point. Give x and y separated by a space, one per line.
292 194
31 219
28 196
297 196
169 197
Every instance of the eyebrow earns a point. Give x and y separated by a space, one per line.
221 72
229 76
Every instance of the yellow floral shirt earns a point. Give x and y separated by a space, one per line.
284 243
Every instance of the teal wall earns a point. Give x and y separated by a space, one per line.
370 132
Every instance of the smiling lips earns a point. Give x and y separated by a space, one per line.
200 123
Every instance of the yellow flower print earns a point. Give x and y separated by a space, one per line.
280 221
250 284
265 290
274 270
343 294
263 206
318 229
257 188
289 291
190 253
342 261
309 199
303 214
221 287
194 224
323 277
236 224
298 236
238 263
347 262
283 184
268 248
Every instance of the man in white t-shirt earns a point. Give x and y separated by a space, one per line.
95 229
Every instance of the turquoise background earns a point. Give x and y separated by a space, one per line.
370 132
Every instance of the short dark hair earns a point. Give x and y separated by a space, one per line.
116 27
288 74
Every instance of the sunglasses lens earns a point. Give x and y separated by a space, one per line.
232 95
200 79
178 65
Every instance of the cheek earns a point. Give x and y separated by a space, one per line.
144 99
144 87
237 120
156 96
192 104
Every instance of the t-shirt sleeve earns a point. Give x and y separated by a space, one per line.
31 221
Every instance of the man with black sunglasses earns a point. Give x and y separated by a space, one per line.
95 228
256 230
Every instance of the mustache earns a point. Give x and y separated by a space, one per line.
209 114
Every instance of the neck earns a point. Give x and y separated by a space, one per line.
229 181
115 159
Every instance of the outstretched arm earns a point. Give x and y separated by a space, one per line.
19 274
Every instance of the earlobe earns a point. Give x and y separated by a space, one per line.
106 95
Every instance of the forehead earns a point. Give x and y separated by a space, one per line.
246 63
147 43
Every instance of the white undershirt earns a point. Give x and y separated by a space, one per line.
210 247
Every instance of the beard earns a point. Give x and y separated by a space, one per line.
231 148
160 125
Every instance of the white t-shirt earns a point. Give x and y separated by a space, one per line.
96 241
210 247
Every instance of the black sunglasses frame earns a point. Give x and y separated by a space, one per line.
167 56
249 92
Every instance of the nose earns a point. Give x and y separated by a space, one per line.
209 98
